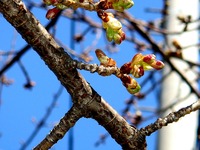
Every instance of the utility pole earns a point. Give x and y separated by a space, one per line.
175 93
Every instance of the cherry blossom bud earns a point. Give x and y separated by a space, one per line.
112 26
137 59
131 84
134 67
105 60
152 62
126 68
137 71
121 5
51 13
141 63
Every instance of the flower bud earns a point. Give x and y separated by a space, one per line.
137 71
131 84
151 62
105 60
141 63
51 13
126 68
112 26
121 5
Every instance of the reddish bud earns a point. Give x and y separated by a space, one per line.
141 71
137 71
149 58
151 61
159 65
51 13
126 68
123 36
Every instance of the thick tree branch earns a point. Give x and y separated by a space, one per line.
83 96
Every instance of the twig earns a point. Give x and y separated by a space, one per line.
25 72
171 118
101 70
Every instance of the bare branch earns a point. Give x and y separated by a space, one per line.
86 101
68 121
171 118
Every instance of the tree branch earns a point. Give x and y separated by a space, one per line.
90 104
68 121
171 118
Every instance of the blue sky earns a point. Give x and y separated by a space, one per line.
20 106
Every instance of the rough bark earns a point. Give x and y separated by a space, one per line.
88 103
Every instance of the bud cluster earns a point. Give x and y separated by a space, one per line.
136 67
141 63
112 26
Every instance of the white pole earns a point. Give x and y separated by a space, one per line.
180 135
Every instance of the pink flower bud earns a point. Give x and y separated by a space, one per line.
151 61
140 63
149 58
